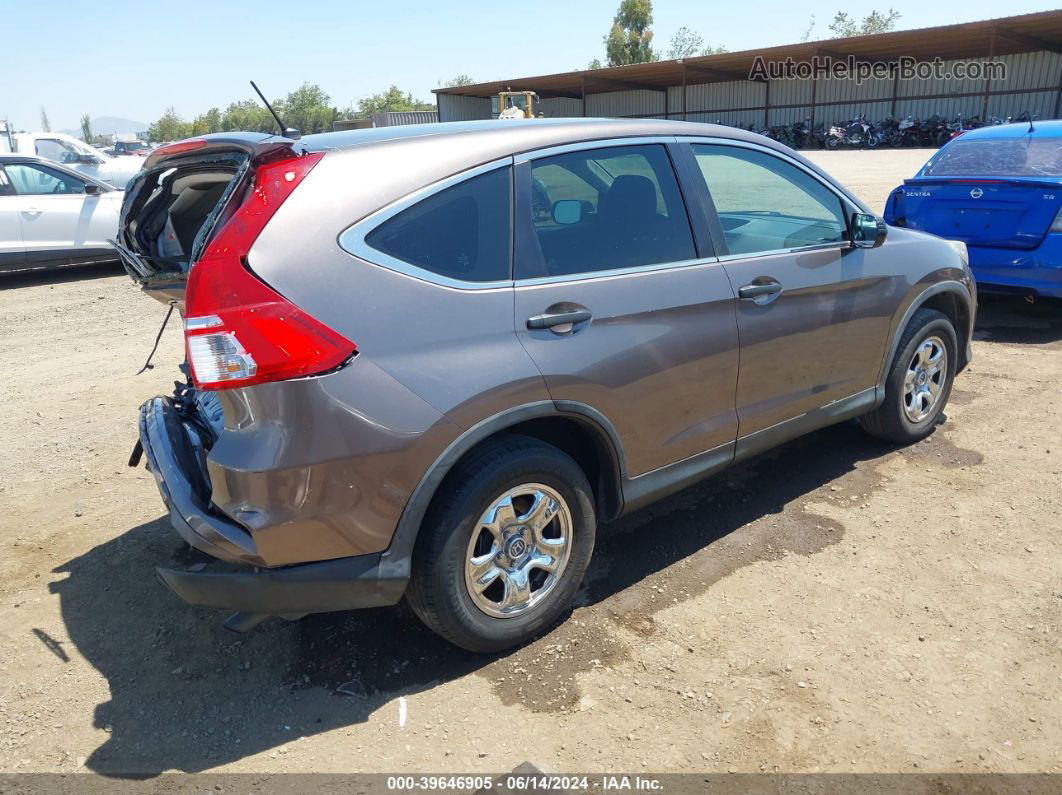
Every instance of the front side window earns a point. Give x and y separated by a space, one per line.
461 232
33 180
603 209
767 204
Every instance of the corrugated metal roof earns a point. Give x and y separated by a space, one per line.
997 37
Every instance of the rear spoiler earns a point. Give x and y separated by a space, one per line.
942 180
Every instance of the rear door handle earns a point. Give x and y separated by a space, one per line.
553 319
33 211
754 291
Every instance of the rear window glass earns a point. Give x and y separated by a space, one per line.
1026 157
461 232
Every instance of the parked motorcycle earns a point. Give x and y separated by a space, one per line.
857 133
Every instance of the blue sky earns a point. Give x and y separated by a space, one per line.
132 59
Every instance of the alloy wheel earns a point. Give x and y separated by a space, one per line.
925 379
518 550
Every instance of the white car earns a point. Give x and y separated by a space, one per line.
51 215
69 151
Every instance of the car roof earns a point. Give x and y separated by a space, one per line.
542 132
1012 132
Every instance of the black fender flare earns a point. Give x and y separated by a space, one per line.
395 560
948 286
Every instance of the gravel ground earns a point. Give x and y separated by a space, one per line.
836 605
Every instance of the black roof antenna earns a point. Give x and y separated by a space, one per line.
287 132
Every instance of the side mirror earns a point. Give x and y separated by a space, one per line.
868 231
92 189
567 211
87 159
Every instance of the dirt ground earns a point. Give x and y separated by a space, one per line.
836 605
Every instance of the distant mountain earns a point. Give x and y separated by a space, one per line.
106 125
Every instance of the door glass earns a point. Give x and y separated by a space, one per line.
461 232
766 204
602 209
34 180
6 188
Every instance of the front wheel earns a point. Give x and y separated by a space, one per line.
503 550
919 381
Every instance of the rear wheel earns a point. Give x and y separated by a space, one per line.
504 548
919 381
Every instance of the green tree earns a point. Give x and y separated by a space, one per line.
631 40
391 100
45 124
209 122
308 109
810 30
248 115
686 43
86 128
595 64
844 26
460 80
169 127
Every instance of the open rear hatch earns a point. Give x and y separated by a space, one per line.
998 212
186 192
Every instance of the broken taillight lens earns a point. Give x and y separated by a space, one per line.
238 330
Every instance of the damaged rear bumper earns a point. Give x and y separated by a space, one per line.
173 446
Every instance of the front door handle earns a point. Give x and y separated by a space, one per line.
554 317
753 291
33 211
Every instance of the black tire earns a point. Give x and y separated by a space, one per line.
437 590
890 421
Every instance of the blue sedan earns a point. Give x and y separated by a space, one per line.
999 190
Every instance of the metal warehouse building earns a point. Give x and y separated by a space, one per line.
717 87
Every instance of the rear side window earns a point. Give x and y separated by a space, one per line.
462 232
605 209
767 204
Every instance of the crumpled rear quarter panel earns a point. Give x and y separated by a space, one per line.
321 468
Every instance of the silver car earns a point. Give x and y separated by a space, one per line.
51 215
430 361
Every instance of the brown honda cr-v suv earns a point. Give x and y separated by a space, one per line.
430 361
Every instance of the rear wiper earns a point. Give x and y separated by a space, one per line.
133 263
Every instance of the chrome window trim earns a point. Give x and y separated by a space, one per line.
586 276
352 239
842 246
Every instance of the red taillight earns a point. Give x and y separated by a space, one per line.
238 330
181 146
